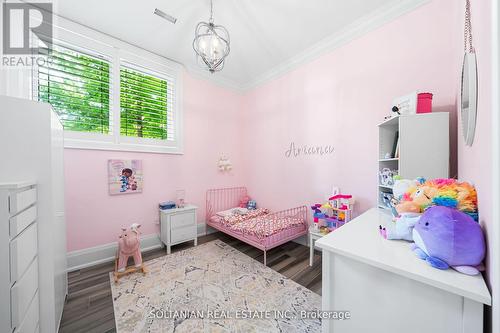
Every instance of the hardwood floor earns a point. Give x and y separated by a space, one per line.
89 307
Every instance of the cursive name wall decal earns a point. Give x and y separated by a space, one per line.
305 150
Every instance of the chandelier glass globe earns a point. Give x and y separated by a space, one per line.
211 44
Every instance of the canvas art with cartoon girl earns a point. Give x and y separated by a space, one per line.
124 179
125 176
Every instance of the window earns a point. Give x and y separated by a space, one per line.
113 100
145 105
77 85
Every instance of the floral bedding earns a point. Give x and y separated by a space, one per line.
264 226
237 218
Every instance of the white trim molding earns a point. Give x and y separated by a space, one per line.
81 38
356 29
106 253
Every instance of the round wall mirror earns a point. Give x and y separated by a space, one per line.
469 97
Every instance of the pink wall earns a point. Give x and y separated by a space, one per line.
211 117
475 163
336 99
340 98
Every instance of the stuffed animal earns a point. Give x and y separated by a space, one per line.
440 192
252 204
129 245
447 237
402 186
401 228
244 201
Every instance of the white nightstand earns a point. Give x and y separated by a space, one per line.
313 235
178 225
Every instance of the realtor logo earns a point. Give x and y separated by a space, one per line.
23 21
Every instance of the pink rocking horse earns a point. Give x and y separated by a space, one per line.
128 246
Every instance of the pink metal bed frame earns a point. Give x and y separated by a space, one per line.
226 198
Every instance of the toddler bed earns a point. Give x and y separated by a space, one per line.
260 228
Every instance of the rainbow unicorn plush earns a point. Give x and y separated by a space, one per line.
440 192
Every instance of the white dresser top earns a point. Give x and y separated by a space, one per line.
16 185
360 240
178 210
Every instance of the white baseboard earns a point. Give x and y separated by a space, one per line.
105 253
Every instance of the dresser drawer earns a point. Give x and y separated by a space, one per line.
18 201
182 220
183 234
22 292
29 323
23 249
19 222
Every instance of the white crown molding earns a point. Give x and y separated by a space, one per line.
354 30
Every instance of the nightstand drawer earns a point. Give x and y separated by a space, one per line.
183 220
183 234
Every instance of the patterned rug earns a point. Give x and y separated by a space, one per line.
212 288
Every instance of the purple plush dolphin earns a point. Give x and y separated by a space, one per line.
446 237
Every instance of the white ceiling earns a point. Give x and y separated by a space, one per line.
265 34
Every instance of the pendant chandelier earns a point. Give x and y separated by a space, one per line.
211 44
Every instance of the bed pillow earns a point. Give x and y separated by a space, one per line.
233 211
225 213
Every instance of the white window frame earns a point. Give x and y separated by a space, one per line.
80 38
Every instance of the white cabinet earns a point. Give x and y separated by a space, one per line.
31 147
19 252
178 225
386 288
423 149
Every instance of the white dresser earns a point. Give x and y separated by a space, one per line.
19 301
387 289
178 225
32 148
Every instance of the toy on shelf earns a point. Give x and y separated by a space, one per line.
342 201
387 176
403 222
332 214
401 227
446 237
167 205
129 245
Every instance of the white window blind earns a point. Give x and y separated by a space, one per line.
78 87
146 104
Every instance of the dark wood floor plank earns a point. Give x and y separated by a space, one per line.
89 306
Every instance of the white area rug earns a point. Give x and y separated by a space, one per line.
212 288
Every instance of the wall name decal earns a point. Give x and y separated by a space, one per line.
305 150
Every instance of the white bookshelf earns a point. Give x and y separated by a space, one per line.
424 147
